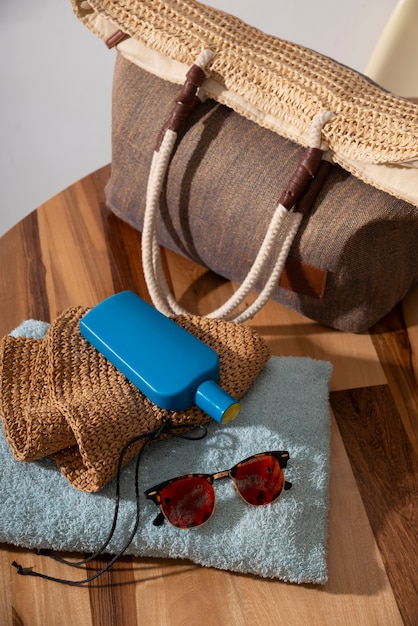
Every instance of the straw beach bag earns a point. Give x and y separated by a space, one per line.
276 167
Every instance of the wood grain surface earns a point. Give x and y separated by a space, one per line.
72 250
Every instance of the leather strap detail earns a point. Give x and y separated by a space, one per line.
303 278
116 38
186 102
305 171
307 199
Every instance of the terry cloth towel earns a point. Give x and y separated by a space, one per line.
285 409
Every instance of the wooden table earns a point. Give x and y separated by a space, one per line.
72 250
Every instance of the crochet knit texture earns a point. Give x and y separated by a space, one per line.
61 398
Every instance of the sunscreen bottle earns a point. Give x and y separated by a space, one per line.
164 361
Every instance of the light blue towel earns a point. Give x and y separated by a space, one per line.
286 409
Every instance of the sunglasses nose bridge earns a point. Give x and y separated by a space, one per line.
224 474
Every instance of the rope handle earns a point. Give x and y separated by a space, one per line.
294 203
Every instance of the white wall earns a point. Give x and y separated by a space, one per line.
55 79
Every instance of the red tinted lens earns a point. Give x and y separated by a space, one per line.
259 480
188 502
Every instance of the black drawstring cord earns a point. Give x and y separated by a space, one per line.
165 428
151 435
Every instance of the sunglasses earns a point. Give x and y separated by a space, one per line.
189 501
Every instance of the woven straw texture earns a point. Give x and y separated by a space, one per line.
279 78
61 398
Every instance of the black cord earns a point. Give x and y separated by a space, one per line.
165 428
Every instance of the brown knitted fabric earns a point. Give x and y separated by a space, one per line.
60 397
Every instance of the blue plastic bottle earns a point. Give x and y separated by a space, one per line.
164 361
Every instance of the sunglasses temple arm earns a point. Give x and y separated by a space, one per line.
159 520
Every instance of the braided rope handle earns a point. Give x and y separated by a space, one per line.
280 234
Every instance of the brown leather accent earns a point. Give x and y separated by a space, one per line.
184 104
304 279
195 75
116 38
305 171
307 199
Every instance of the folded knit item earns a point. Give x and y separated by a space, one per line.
61 398
286 408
